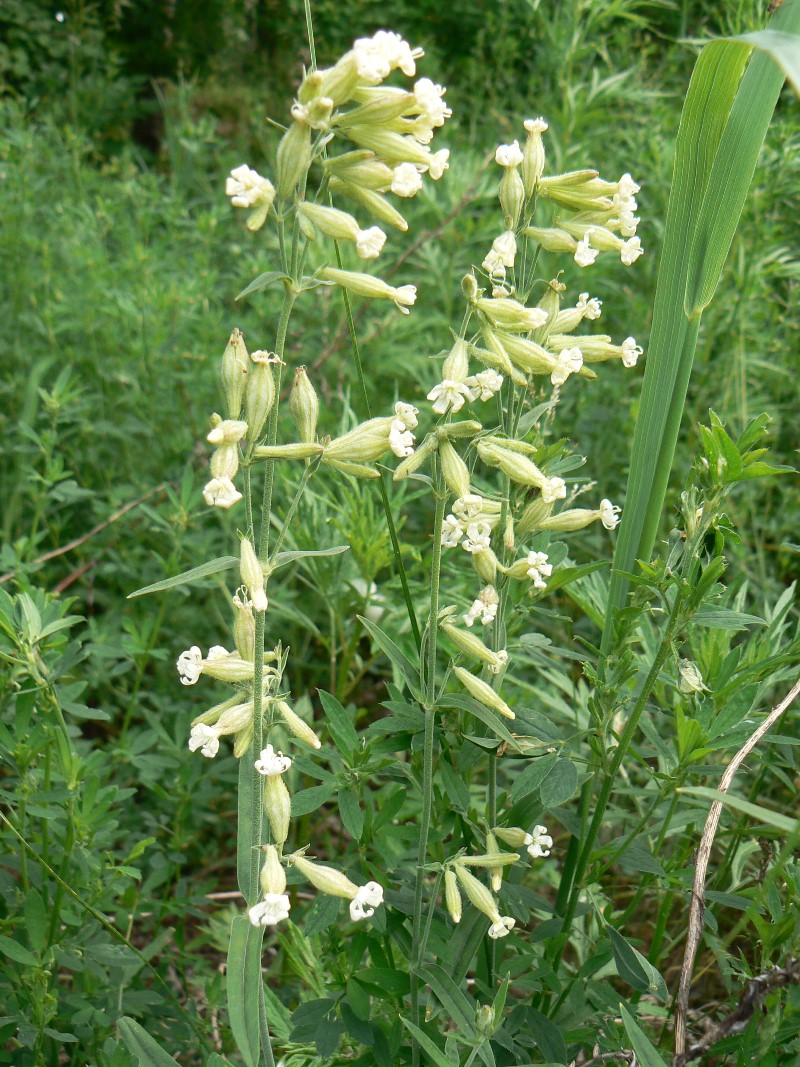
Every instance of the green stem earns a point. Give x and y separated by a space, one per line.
310 469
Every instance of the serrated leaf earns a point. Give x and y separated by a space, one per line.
145 1049
214 566
263 280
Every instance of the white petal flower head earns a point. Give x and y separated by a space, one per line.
499 662
484 608
247 188
370 242
401 440
627 186
468 507
535 125
493 265
438 163
628 222
221 493
506 247
554 489
407 414
407 181
585 255
271 910
630 352
272 763
448 394
190 665
205 738
484 385
366 900
568 361
376 57
509 155
217 652
452 532
478 537
590 306
539 569
430 99
631 250
609 514
227 432
540 842
405 296
502 927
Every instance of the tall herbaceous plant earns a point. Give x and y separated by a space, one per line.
484 442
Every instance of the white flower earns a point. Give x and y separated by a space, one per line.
568 361
500 659
554 489
366 900
217 652
261 356
627 186
484 385
206 738
493 265
631 250
628 221
501 927
590 306
376 57
270 911
404 297
478 537
535 125
430 99
401 440
247 188
485 607
452 532
506 247
609 514
227 432
509 155
407 414
272 763
540 842
370 242
438 163
468 507
221 493
539 569
448 394
190 665
406 181
585 255
630 352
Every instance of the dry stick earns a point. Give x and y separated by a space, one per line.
697 909
91 533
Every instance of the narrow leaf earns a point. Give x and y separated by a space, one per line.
763 815
243 984
399 659
214 566
142 1046
263 280
646 1054
430 1046
281 559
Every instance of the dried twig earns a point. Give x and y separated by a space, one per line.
623 1055
698 905
735 1021
54 553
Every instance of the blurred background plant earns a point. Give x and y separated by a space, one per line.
122 264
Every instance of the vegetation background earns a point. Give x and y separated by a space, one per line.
121 264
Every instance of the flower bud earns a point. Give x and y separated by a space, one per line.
252 575
455 430
377 205
355 470
296 725
512 835
225 431
484 1019
512 196
413 462
456 365
509 314
483 692
551 303
691 680
477 893
533 517
469 287
326 879
454 469
552 239
533 155
233 373
244 627
273 877
304 406
294 158
485 563
452 897
360 168
225 462
302 450
278 806
404 296
260 394
473 646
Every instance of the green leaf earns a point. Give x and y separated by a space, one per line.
532 777
725 619
243 985
263 280
490 718
339 723
559 785
455 1002
763 815
546 1035
634 968
308 800
145 1049
283 559
17 952
351 813
646 1054
214 566
397 658
427 1043
36 920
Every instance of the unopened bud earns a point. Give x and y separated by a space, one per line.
296 725
484 1019
512 835
302 450
273 877
304 406
412 463
375 204
473 646
455 430
260 395
326 879
278 806
253 576
456 366
454 469
483 692
508 533
244 627
533 516
469 287
493 850
512 196
452 897
233 373
225 462
485 563
533 155
477 893
294 158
